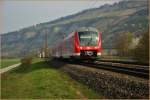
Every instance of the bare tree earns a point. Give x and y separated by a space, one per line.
141 52
123 44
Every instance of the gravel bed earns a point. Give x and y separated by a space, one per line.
111 85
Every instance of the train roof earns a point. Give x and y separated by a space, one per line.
87 29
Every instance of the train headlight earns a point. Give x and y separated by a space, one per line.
81 48
88 48
96 47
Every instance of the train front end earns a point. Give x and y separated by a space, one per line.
88 43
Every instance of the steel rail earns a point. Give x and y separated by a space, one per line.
138 72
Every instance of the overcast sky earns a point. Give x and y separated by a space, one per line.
20 14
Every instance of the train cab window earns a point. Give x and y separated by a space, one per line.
88 38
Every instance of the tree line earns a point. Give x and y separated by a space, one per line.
129 46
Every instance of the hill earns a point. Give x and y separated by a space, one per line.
111 20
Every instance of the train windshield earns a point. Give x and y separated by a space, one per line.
88 38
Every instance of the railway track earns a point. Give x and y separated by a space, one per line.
129 69
132 62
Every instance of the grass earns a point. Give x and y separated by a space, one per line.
41 80
8 62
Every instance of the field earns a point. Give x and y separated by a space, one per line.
8 62
41 80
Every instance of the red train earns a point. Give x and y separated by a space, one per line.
84 43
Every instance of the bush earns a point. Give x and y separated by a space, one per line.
26 61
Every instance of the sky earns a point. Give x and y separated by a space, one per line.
18 14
